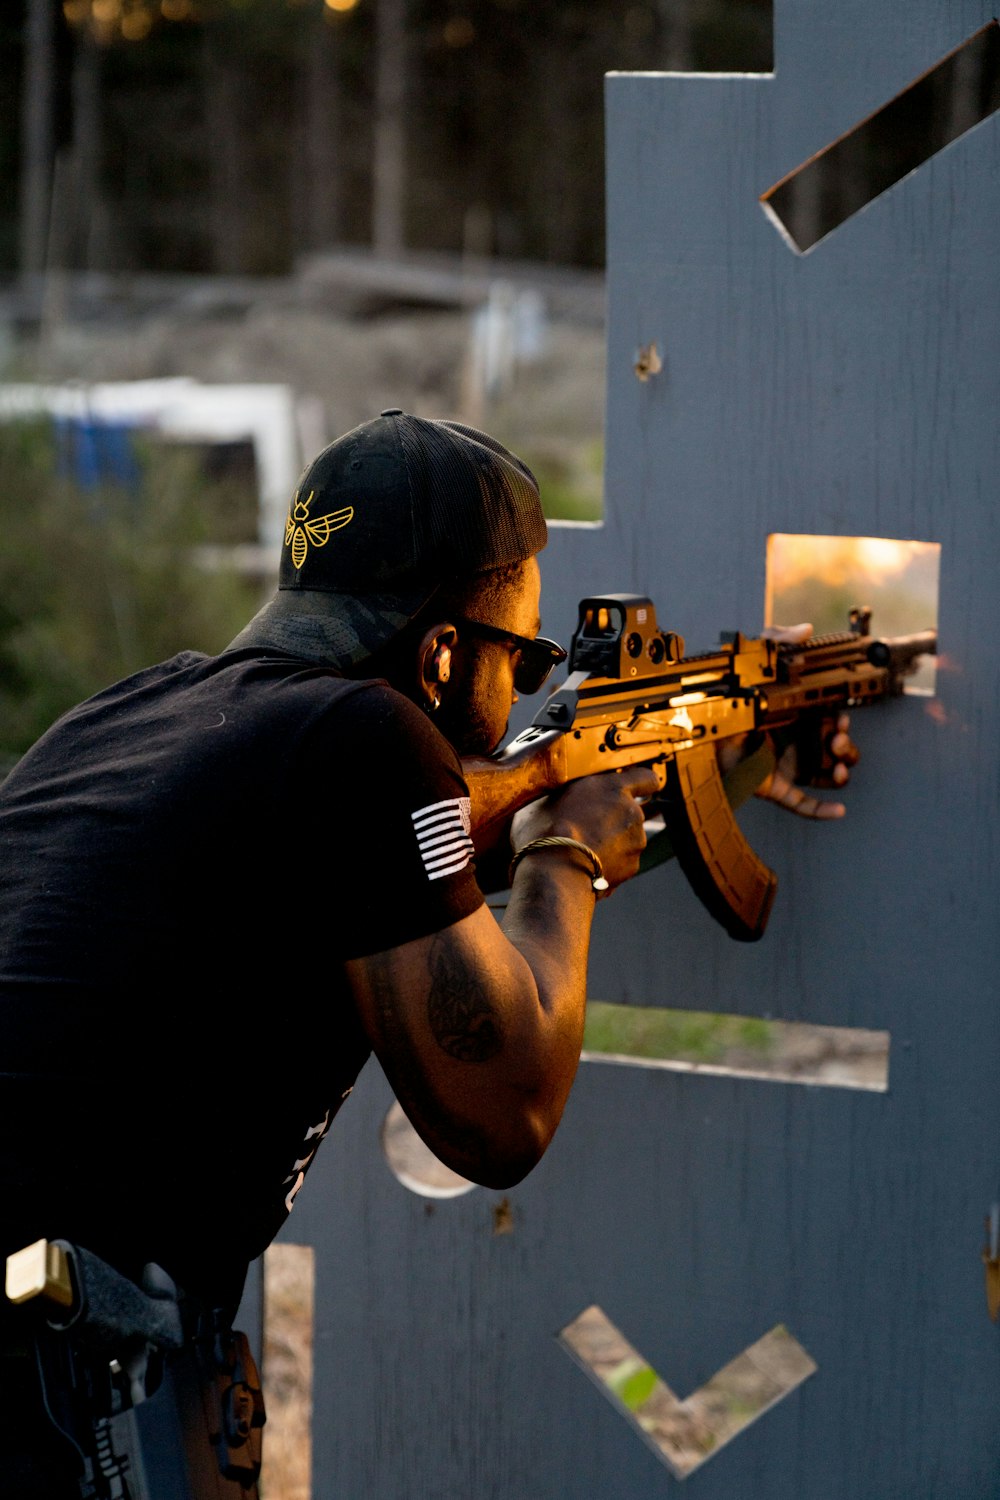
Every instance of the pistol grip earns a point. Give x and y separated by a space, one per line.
726 875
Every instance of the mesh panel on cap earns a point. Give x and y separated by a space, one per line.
481 507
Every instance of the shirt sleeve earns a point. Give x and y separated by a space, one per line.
394 814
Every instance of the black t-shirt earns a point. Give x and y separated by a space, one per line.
186 860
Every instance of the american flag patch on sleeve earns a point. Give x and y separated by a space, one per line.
442 831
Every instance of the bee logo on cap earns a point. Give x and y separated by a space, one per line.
300 530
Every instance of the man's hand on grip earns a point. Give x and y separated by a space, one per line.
605 812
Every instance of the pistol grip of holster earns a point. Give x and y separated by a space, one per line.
734 885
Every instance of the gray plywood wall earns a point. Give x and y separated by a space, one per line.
852 390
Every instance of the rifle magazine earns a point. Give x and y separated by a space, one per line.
731 882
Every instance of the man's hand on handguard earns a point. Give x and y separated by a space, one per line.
780 787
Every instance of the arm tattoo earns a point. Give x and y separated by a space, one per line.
464 1023
408 1074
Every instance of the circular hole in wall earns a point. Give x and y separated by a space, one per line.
414 1164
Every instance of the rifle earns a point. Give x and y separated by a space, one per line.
157 1394
633 698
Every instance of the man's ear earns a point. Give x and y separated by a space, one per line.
434 663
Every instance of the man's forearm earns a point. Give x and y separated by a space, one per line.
479 1027
548 920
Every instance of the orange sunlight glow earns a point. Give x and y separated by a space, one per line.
838 559
821 578
136 24
811 572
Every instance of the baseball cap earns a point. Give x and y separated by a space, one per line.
390 511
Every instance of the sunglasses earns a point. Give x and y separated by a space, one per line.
537 656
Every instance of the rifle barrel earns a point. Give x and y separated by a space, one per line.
899 651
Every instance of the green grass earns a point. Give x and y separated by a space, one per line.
571 485
684 1035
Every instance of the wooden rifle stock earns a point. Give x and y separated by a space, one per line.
500 785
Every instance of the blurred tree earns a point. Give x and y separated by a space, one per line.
36 134
318 184
75 209
675 22
235 134
389 146
98 582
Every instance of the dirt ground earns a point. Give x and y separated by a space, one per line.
346 369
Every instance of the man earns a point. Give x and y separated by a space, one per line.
227 879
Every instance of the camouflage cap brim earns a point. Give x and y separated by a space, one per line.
338 630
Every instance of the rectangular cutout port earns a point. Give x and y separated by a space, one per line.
289 1297
822 578
692 1041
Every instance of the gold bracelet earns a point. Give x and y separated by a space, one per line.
555 841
